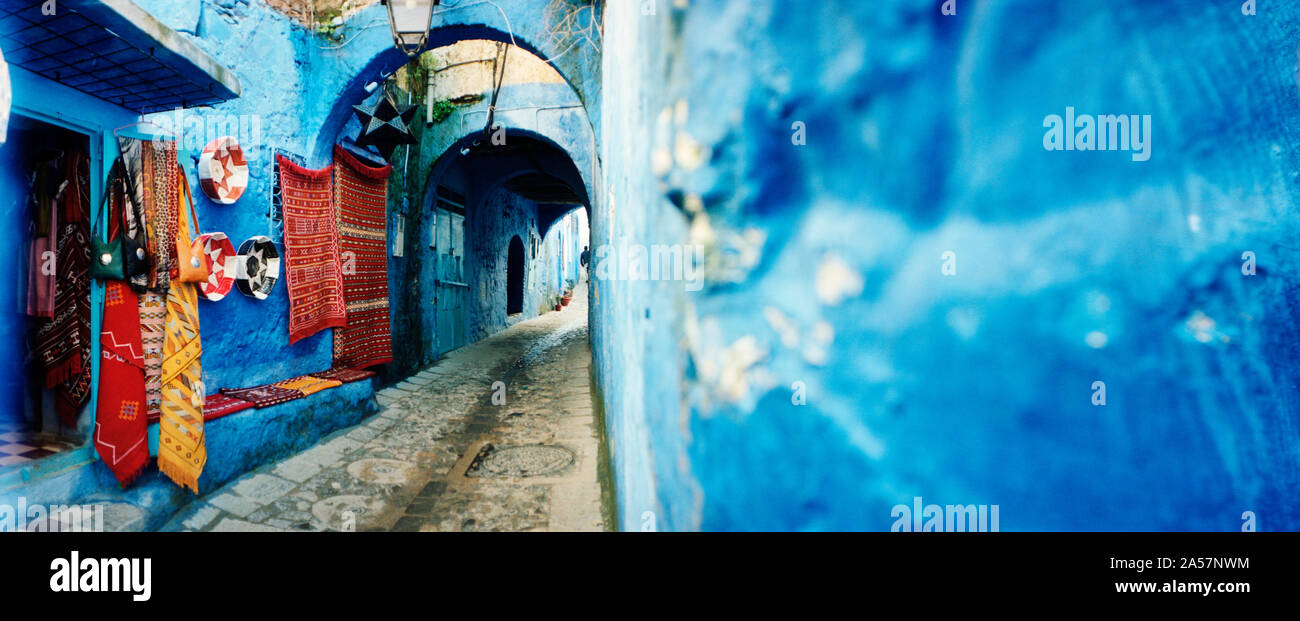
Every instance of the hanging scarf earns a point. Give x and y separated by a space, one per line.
160 195
156 166
153 312
181 449
120 427
63 343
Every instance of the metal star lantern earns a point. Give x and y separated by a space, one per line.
385 125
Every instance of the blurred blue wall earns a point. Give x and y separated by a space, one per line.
924 135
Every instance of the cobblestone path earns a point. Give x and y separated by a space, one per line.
442 455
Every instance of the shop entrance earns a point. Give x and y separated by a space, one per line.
41 399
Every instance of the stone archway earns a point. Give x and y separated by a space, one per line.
370 54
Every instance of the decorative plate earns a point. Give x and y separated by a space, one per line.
223 172
259 267
224 264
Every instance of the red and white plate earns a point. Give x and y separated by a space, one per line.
225 263
223 171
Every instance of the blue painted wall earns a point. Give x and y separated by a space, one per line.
925 136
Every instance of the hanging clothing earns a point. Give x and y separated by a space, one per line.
42 259
120 426
63 344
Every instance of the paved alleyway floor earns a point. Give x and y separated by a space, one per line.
441 456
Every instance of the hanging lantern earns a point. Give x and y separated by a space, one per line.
410 21
385 125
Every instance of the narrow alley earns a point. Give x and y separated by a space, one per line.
442 454
637 266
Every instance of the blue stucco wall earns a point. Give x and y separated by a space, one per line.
490 224
925 136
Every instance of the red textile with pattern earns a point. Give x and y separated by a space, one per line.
263 396
311 241
345 375
361 202
218 405
120 427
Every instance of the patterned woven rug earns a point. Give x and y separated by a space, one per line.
311 240
361 201
345 375
263 396
218 405
309 385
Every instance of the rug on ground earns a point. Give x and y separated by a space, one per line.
345 375
263 396
309 385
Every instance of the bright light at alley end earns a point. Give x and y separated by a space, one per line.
410 21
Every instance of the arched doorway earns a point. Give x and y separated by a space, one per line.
515 277
472 218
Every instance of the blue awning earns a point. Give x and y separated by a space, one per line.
113 50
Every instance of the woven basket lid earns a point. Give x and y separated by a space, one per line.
221 256
223 171
259 267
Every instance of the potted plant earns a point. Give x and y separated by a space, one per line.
568 293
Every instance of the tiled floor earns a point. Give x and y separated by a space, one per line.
20 445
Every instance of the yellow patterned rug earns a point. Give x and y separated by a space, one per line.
309 385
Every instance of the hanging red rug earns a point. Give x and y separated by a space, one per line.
120 427
361 202
311 241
